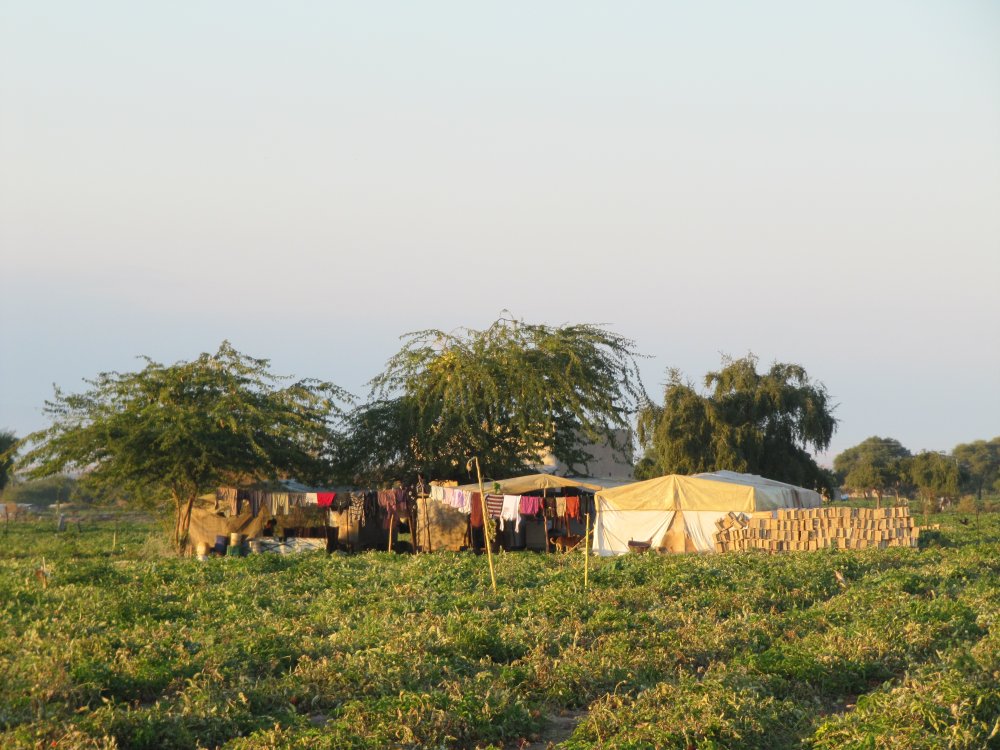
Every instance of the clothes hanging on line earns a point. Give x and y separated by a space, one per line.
530 505
325 499
494 505
573 508
476 512
511 511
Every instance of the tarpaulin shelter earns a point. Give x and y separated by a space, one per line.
677 513
531 483
207 524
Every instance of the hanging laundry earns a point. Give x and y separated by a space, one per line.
494 504
476 511
296 499
530 505
258 499
402 502
357 512
280 502
511 511
325 499
573 507
560 507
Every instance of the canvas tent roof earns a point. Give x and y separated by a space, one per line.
721 491
539 482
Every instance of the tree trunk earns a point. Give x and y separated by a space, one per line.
878 499
182 519
185 521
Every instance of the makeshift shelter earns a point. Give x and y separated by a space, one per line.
677 513
207 524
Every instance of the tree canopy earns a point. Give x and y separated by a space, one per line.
181 430
8 447
980 460
874 465
761 423
505 394
935 475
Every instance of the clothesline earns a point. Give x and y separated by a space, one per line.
506 508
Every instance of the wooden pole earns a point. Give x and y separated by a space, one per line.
392 521
486 532
586 553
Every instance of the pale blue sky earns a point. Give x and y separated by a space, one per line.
815 182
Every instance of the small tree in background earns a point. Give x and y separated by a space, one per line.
177 431
981 463
935 476
874 465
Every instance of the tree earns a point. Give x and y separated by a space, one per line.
8 447
505 394
762 423
934 475
181 430
981 461
874 465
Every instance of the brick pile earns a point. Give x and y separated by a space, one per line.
817 528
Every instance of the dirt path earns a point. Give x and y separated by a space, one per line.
558 727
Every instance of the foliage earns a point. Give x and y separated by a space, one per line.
875 648
762 423
935 475
981 461
506 394
58 488
8 447
181 430
876 465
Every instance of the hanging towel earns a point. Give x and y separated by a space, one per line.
476 511
494 504
511 511
530 505
325 499
573 508
561 507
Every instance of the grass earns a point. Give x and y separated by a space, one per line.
134 650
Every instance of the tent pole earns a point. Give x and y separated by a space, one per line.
486 533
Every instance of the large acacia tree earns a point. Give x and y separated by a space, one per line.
874 465
749 421
177 431
506 394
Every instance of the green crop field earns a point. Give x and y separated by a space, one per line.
895 648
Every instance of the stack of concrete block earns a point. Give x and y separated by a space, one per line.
817 528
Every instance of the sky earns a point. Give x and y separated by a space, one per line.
815 183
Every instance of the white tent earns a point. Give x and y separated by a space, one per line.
678 513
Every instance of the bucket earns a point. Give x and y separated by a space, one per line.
201 550
220 544
235 539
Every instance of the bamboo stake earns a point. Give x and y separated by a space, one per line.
486 532
586 553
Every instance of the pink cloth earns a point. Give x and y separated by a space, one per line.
325 499
530 505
